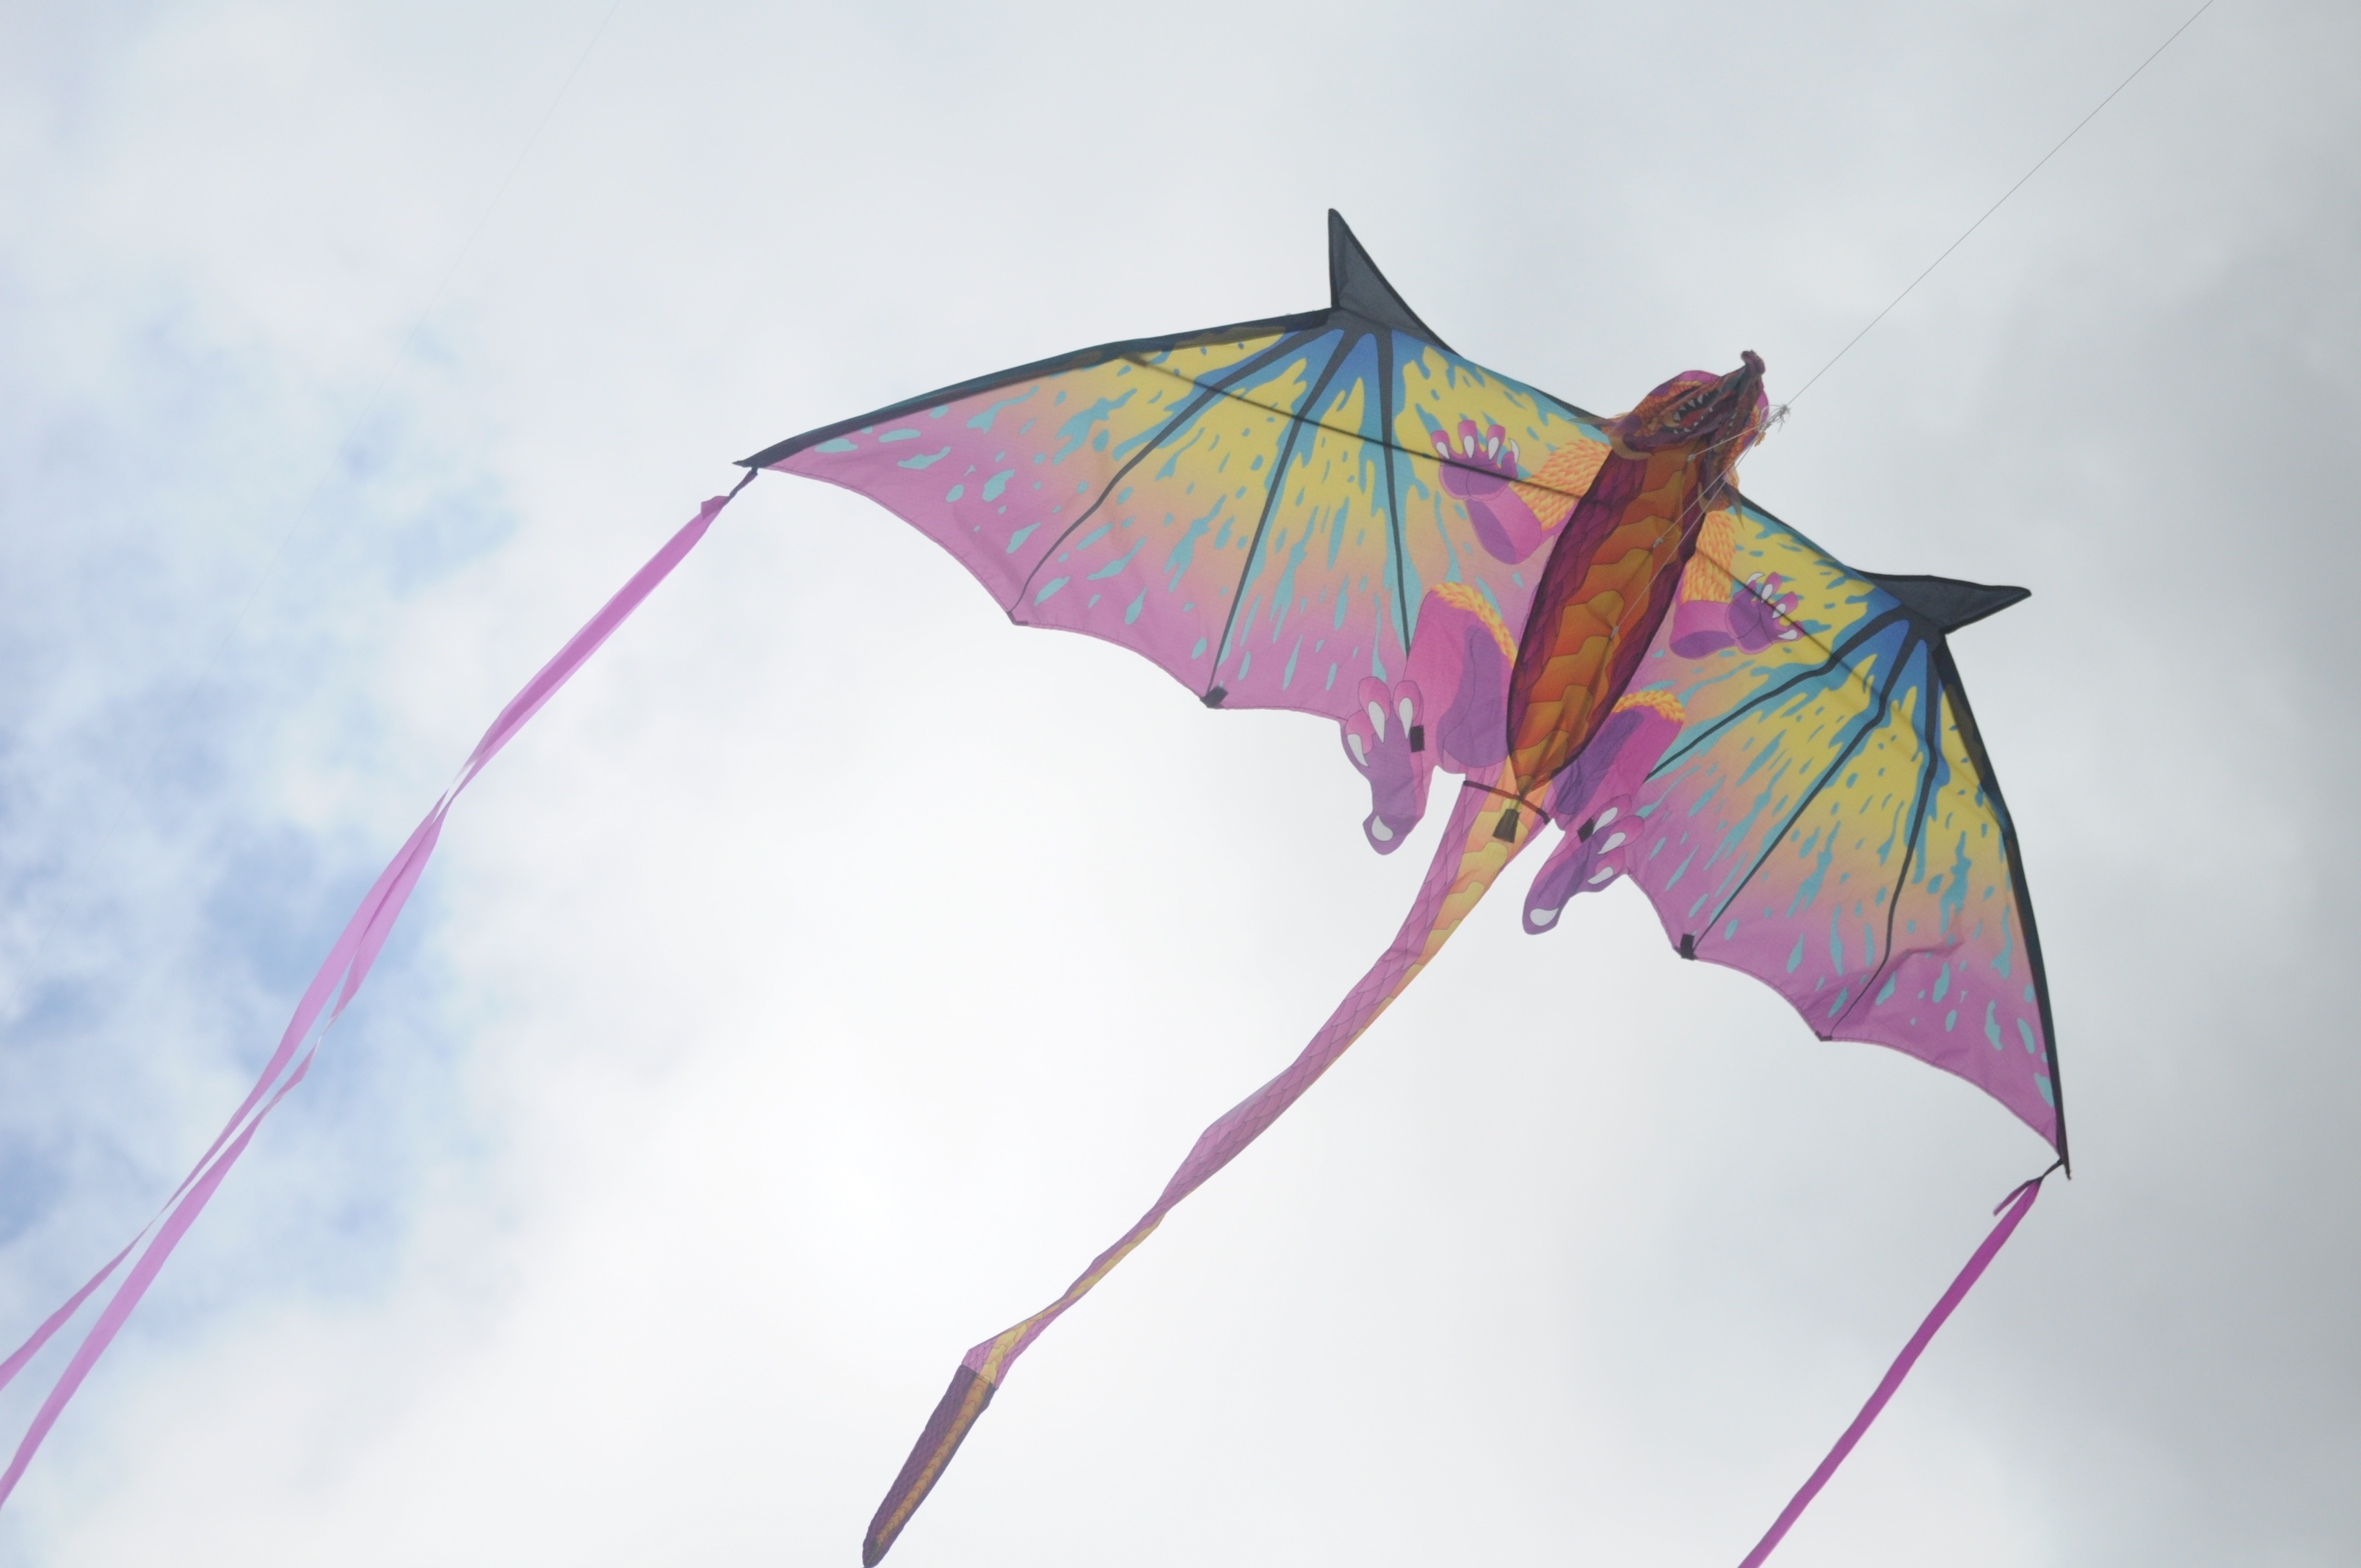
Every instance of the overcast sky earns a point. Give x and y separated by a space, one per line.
828 974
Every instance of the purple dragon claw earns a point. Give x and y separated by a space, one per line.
1595 801
1478 469
1386 738
1585 862
1478 464
1760 614
1757 615
1481 463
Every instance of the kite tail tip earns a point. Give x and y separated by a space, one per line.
961 1403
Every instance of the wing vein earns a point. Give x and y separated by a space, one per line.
1393 493
1207 392
1278 486
1931 741
1871 716
1836 657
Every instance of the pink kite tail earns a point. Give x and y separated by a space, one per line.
2018 1204
339 977
56 1320
135 1285
1470 856
594 633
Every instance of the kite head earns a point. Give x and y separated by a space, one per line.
1716 417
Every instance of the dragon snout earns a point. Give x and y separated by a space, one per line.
1697 406
1747 378
1739 396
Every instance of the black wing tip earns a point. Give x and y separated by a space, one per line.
1950 603
1354 284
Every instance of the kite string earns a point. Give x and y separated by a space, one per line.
1781 412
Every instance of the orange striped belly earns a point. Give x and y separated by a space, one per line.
1570 672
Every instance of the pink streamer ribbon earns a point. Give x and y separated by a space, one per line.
340 976
2018 1204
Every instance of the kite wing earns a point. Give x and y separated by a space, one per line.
1259 508
1266 509
1821 814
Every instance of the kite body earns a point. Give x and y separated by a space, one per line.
1580 617
1580 620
